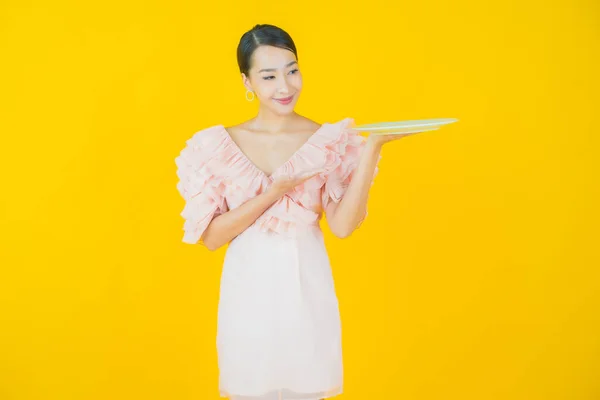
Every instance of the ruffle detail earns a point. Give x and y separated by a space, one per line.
288 218
200 183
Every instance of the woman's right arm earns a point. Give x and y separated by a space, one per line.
224 227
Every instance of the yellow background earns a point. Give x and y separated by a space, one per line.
474 277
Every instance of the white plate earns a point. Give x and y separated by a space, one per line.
403 127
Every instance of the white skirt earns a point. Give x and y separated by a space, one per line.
279 327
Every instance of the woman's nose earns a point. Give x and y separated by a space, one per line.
284 87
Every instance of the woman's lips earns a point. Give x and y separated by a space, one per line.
286 100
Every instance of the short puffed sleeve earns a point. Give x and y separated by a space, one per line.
200 183
346 146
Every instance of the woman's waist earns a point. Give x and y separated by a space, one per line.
273 234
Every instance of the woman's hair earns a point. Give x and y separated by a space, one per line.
262 35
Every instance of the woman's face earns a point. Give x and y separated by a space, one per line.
274 74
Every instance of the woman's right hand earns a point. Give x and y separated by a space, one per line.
283 184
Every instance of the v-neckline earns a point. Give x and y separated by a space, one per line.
263 173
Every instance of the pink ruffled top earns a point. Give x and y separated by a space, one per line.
216 176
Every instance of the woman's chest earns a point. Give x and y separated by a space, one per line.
268 153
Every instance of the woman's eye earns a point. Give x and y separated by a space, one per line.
267 78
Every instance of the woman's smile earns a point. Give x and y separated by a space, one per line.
285 100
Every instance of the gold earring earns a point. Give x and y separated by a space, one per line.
247 95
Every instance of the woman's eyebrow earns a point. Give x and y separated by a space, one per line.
275 69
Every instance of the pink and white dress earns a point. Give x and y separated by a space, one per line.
279 327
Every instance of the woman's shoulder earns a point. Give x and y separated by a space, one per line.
206 134
203 147
209 141
338 134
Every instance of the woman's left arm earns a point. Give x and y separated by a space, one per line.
344 217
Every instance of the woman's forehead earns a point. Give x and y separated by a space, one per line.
270 59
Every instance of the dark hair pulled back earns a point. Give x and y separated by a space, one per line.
262 35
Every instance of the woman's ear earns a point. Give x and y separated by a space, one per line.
246 82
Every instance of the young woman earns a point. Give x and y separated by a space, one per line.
262 187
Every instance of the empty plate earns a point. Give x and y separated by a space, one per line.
402 127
